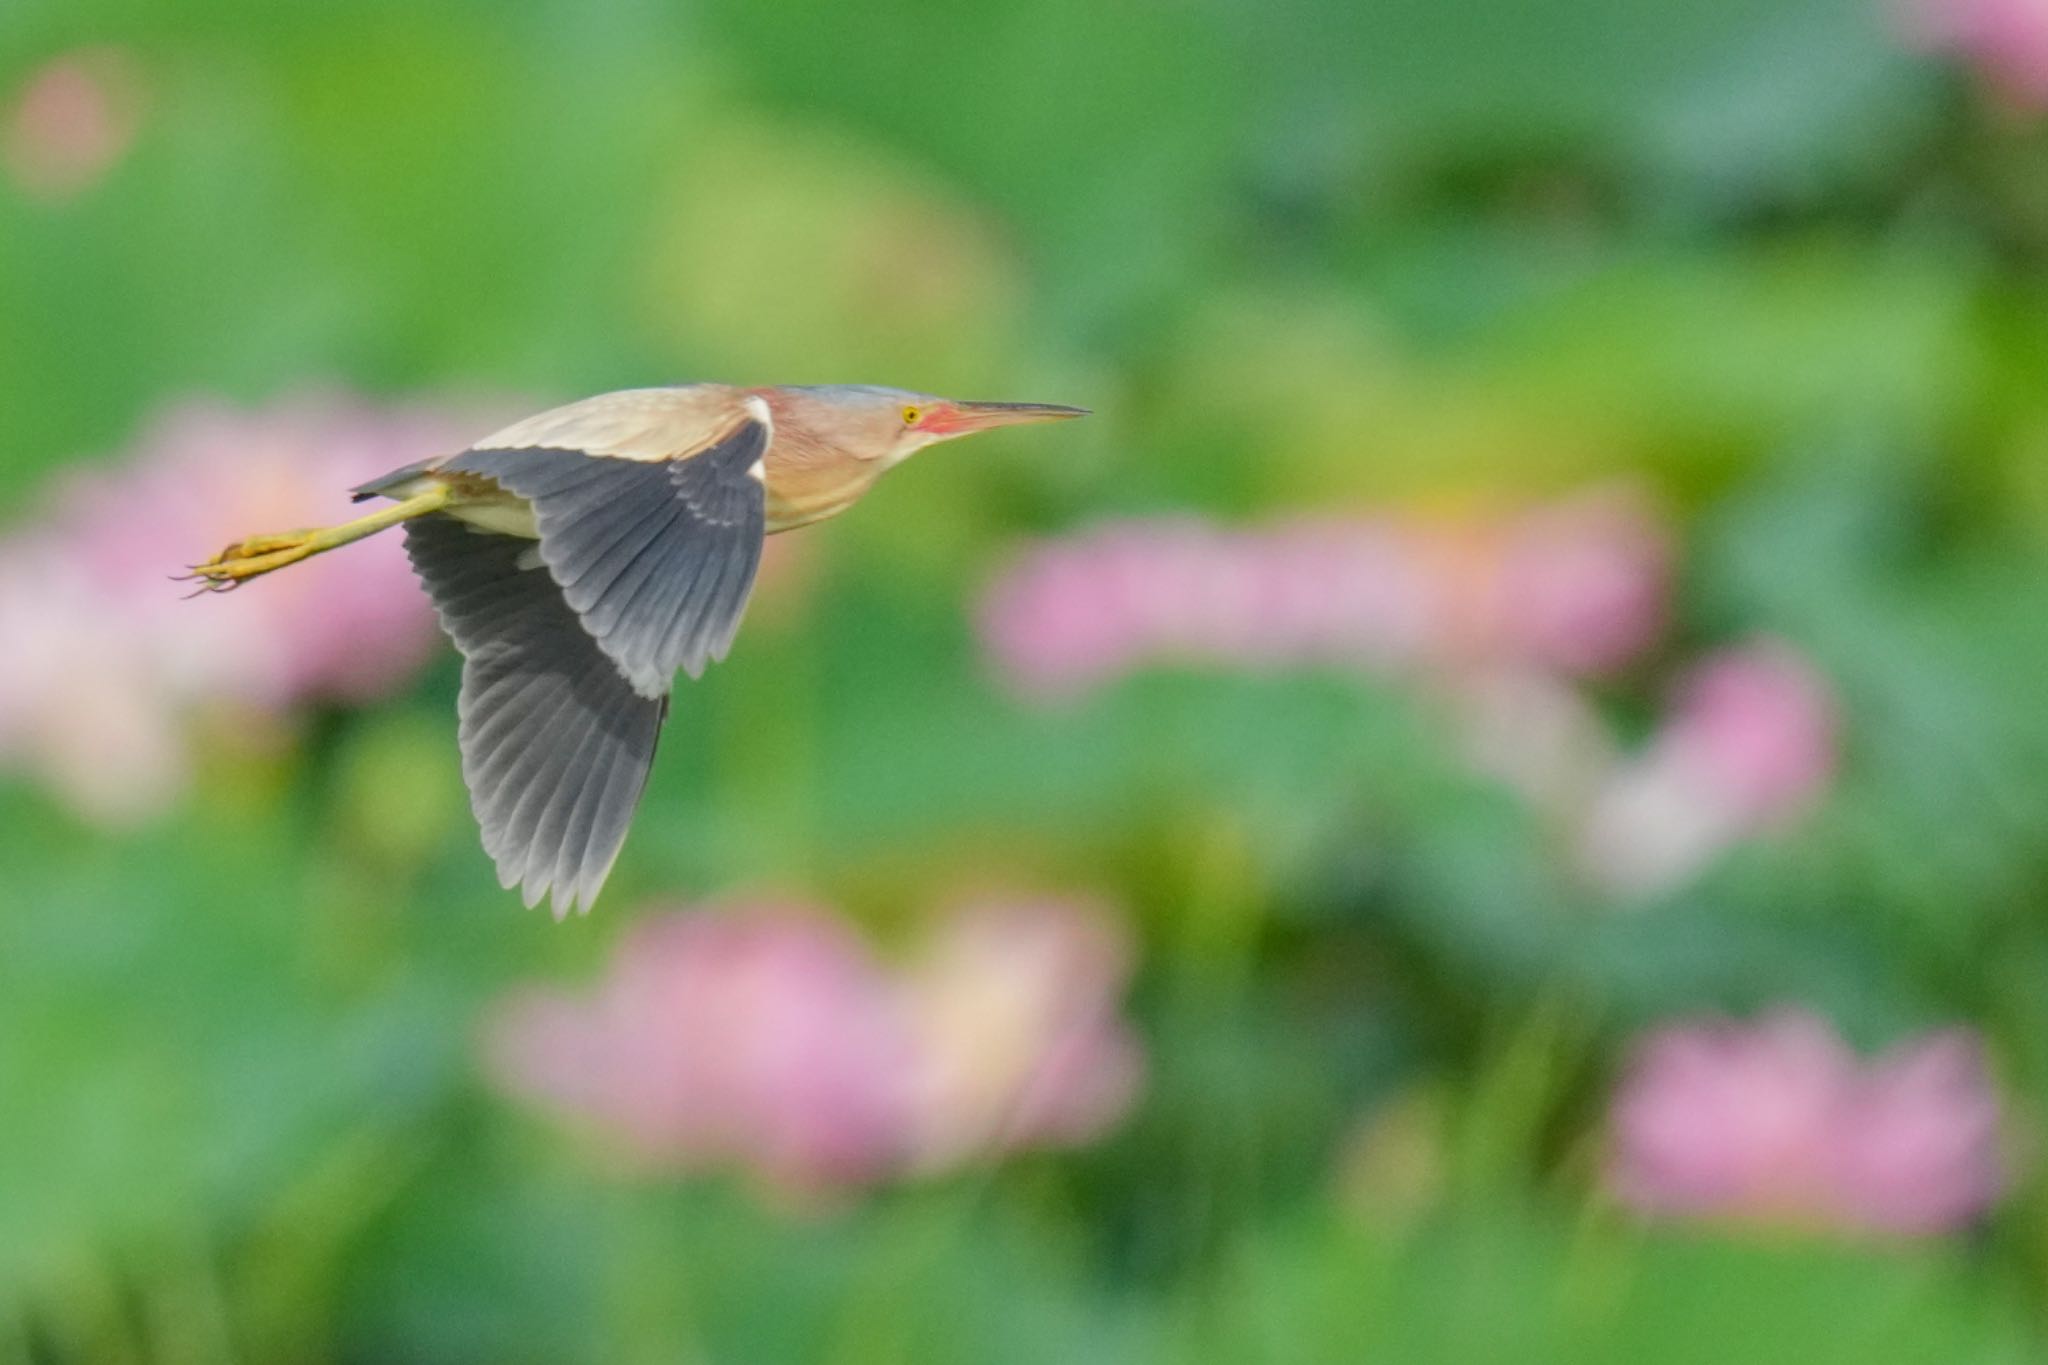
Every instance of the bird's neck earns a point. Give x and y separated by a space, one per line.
809 479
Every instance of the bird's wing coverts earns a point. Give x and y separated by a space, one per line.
556 745
656 557
390 483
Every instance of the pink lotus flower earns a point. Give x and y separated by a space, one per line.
1577 587
123 661
766 1038
70 123
80 701
762 1036
2006 40
1538 735
1583 582
1750 747
345 627
1013 1007
1503 616
1778 1122
1074 614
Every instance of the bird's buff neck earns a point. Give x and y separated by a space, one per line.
809 477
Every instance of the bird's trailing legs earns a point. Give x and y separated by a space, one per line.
258 555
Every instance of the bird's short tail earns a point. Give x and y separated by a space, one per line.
259 555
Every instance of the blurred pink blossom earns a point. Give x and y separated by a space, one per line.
1750 746
1576 586
1013 1006
1583 582
761 1035
347 626
765 1037
1756 724
79 699
1503 616
101 707
70 122
2006 40
1778 1122
1537 734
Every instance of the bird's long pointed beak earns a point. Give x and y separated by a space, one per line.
959 419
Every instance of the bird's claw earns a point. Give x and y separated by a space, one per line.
236 564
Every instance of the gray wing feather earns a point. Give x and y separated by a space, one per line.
556 745
383 484
656 556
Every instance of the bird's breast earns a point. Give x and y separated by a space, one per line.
803 491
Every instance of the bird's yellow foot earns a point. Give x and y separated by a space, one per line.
247 559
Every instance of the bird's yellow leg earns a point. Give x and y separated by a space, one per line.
263 545
258 555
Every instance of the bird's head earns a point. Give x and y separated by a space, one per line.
887 426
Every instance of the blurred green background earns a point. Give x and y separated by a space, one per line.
1773 268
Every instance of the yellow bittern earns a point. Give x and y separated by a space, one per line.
582 556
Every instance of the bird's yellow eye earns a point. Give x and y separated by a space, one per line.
911 412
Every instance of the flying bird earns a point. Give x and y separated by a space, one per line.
581 557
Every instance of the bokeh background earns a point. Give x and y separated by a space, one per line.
1492 804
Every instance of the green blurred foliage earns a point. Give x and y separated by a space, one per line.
1298 255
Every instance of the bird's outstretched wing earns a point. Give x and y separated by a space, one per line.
556 745
656 556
